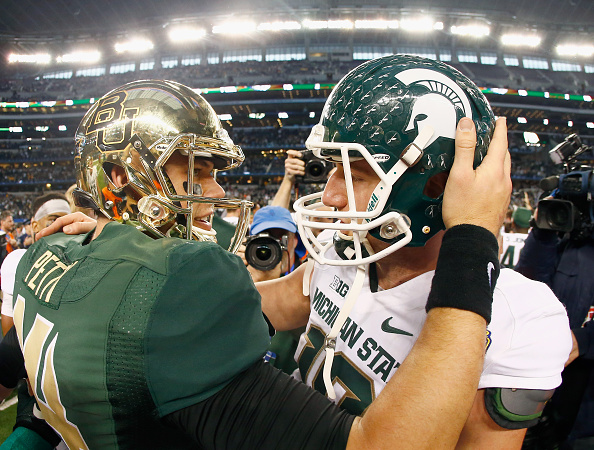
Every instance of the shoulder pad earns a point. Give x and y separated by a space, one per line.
516 408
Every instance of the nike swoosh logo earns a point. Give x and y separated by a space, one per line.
490 270
390 329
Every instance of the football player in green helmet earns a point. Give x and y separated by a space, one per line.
390 126
399 115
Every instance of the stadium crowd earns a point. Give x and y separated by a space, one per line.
38 88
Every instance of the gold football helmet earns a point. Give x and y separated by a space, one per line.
138 126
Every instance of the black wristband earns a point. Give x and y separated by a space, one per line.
466 272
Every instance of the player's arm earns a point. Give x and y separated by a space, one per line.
283 301
481 431
12 364
6 320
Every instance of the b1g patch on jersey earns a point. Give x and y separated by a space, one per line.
339 286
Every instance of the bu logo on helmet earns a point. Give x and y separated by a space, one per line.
440 107
112 122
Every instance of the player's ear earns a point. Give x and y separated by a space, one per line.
118 175
35 227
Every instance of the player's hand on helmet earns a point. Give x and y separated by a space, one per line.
481 196
294 165
75 223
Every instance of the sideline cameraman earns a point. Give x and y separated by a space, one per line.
566 264
272 222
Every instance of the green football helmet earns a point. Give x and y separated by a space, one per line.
138 126
399 113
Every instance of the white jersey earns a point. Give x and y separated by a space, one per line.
528 339
7 274
513 243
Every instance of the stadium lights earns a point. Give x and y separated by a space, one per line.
545 121
570 123
84 57
470 30
283 115
522 120
279 26
186 34
234 28
521 40
225 117
134 46
376 24
575 50
531 138
422 24
39 58
329 24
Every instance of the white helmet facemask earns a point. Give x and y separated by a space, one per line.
391 224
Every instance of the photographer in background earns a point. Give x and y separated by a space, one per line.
270 248
300 167
560 252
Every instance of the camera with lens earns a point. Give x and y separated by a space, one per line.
264 252
316 169
572 209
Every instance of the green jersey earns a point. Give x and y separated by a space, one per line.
122 330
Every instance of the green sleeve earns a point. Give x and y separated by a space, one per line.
206 327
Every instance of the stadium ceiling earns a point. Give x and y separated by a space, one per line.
76 19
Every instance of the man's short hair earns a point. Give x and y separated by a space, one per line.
5 215
42 199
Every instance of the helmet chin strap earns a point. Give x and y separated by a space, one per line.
330 341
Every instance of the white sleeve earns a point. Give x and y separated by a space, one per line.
7 276
530 338
7 305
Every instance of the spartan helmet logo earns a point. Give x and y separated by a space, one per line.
440 106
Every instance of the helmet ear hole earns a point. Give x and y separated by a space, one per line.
435 185
116 174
